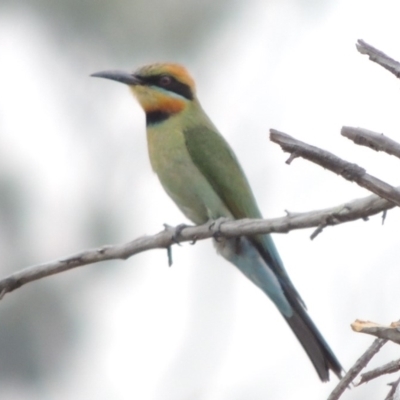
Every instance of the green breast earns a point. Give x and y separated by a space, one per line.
178 174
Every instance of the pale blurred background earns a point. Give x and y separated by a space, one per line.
74 174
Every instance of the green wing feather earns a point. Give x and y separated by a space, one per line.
215 159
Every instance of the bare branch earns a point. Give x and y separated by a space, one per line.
388 368
349 171
394 393
379 57
356 368
357 209
391 332
373 140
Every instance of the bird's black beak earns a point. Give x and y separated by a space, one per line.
119 76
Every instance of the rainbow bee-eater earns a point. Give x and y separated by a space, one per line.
200 172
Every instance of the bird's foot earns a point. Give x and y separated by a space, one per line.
332 218
215 227
175 231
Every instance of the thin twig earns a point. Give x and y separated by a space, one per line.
388 368
373 140
394 392
347 170
390 332
356 368
379 57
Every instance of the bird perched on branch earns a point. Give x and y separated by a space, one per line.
202 175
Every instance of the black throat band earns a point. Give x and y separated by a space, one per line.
155 117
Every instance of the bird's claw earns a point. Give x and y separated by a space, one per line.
215 227
332 218
175 231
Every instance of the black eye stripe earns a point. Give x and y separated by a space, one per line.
174 86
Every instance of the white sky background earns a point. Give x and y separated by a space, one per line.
200 330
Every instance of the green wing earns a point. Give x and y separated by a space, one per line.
215 159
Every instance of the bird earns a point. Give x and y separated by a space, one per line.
200 172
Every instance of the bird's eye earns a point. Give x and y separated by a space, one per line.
165 80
